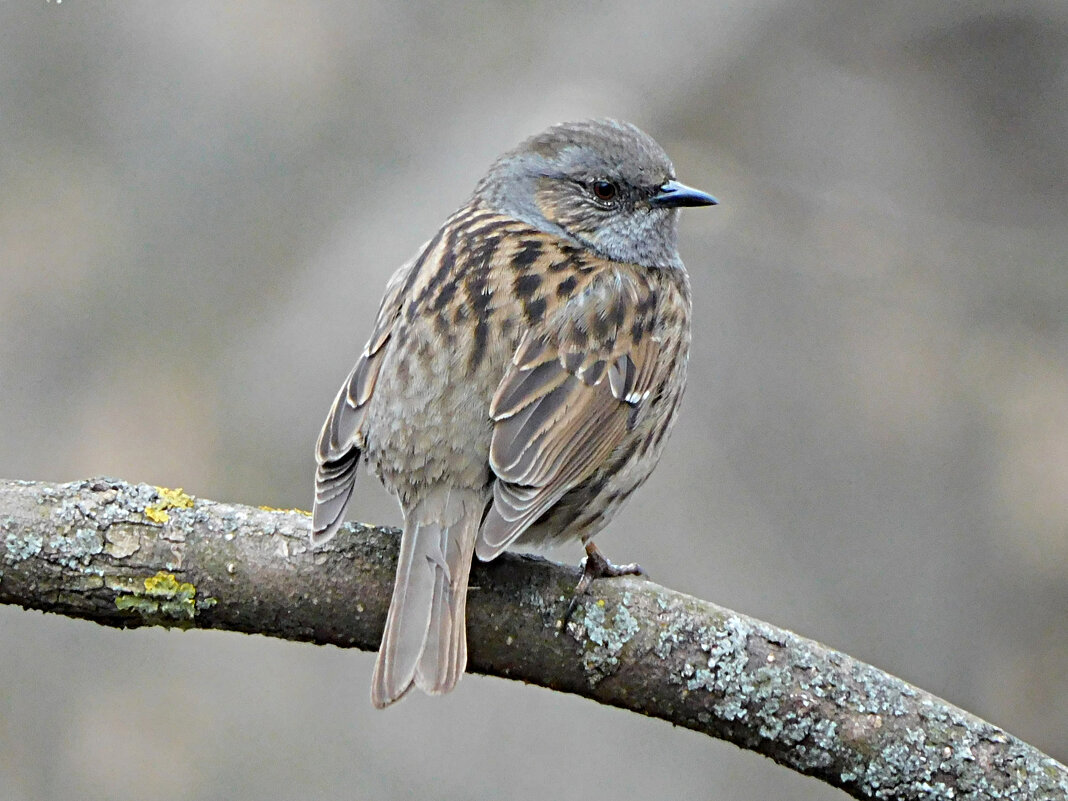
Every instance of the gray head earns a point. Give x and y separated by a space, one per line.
603 184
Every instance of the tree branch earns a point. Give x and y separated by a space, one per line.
132 555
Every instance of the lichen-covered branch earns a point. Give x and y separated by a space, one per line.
132 555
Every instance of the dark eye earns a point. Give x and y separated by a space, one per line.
604 190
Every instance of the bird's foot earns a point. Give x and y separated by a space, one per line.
596 566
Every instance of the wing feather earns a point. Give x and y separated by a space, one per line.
566 403
337 452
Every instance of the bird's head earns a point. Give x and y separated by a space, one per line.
603 184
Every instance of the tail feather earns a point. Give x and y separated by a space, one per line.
445 652
425 638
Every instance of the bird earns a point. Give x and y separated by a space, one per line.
522 375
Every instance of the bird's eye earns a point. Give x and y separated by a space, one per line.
604 190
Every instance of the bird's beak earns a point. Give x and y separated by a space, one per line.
672 195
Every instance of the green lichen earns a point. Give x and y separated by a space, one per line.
163 601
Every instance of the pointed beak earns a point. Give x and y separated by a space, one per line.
672 195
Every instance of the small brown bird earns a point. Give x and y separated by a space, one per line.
522 375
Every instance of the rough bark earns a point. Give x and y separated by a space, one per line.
132 555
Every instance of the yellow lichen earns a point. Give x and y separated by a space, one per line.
168 499
164 600
166 585
156 515
286 511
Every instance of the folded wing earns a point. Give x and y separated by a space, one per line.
340 442
574 389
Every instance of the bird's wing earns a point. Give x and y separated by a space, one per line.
338 449
574 388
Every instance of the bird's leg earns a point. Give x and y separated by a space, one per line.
596 566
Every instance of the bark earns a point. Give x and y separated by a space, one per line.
132 555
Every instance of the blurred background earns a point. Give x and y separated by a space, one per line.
200 203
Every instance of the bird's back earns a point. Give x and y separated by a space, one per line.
468 300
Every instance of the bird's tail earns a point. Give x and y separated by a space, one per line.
425 639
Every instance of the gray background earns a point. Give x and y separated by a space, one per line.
201 203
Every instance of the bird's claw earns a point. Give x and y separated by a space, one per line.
596 566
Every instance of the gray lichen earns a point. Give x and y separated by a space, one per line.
828 709
17 548
77 549
638 646
605 637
